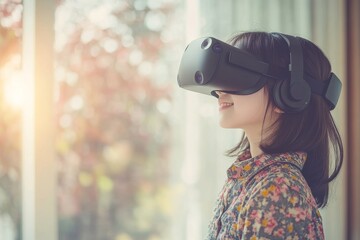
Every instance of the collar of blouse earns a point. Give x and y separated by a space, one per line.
245 167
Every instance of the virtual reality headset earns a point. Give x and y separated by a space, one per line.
209 65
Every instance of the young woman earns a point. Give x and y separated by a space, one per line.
282 172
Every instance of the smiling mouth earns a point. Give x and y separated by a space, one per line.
225 105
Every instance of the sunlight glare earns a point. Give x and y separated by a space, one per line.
14 90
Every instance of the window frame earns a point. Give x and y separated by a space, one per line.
39 215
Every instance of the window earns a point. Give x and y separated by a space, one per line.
115 74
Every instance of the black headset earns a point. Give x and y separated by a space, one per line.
209 65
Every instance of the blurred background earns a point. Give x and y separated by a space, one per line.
119 150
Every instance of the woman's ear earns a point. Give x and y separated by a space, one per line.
278 110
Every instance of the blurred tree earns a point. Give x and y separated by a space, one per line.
113 101
10 120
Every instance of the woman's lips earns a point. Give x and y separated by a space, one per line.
225 105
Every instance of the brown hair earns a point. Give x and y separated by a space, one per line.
312 130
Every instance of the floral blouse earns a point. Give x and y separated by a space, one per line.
266 197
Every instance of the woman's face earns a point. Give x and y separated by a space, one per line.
244 111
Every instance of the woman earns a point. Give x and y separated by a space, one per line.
281 175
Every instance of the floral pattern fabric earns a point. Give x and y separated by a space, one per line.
266 197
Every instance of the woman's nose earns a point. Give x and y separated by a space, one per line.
219 92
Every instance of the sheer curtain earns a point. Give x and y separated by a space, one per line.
202 142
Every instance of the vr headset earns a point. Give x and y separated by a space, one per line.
209 65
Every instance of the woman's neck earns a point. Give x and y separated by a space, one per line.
254 142
255 150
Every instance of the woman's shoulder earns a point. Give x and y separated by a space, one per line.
281 181
279 204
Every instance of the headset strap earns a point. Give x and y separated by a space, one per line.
329 89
